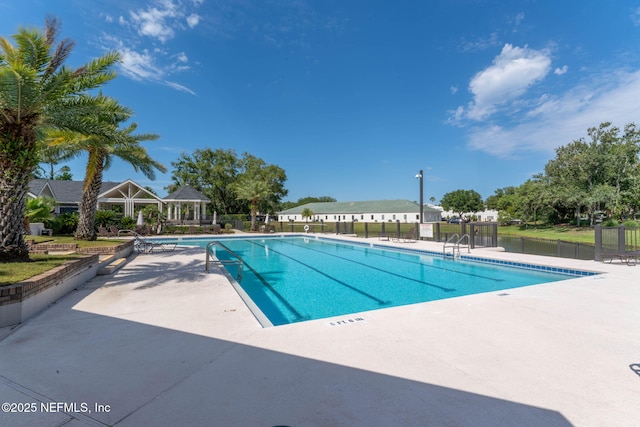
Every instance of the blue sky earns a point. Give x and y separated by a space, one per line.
353 97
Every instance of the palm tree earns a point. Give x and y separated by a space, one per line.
107 140
35 90
252 190
306 213
37 210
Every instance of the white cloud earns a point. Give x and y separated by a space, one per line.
513 71
182 57
560 70
519 18
143 58
561 119
145 65
139 65
153 21
193 20
454 89
635 16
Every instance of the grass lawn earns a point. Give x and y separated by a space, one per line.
70 239
551 232
13 272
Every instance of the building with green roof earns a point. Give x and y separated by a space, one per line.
367 211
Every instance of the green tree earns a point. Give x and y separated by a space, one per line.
252 190
106 141
215 172
307 213
595 175
304 201
35 91
462 201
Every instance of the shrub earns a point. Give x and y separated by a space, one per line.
106 218
630 223
65 223
127 223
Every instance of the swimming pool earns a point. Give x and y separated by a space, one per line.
293 279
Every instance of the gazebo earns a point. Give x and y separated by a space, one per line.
187 205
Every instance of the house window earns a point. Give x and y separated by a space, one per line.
394 217
405 217
361 216
383 217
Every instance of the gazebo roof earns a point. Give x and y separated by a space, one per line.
186 193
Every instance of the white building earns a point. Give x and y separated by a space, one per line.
367 211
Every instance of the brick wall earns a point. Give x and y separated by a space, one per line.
27 288
106 250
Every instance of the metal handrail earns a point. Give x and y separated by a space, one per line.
455 245
220 262
468 243
446 244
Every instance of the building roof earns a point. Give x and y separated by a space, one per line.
372 206
187 193
64 192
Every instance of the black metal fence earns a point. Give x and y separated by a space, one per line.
547 247
480 233
616 240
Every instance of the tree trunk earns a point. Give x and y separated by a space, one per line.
89 204
17 162
13 191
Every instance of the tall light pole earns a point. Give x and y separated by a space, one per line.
420 177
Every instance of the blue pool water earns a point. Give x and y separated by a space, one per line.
293 279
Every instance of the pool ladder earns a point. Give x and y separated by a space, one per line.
221 263
454 242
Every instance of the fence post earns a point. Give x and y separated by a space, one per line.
472 235
621 239
398 228
598 242
366 230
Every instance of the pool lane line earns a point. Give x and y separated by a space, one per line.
442 288
353 288
280 298
419 263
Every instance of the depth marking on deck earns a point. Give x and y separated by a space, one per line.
349 321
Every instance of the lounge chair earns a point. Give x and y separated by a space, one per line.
147 246
113 231
628 257
411 236
103 232
408 237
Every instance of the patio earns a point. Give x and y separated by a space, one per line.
161 342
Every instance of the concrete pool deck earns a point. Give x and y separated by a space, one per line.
163 343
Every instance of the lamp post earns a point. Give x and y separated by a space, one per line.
420 177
